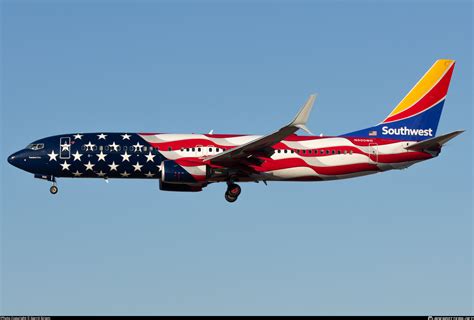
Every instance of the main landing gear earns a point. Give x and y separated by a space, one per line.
233 192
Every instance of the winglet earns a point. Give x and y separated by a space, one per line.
302 117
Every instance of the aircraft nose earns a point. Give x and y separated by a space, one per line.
15 159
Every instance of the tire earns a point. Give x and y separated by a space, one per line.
230 198
53 189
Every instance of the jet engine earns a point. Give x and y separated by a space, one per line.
173 173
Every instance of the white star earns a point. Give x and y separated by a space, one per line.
52 156
65 147
89 166
114 146
77 173
101 174
137 167
126 136
101 136
149 174
78 136
149 157
125 157
77 156
125 174
65 165
138 146
89 146
101 156
113 166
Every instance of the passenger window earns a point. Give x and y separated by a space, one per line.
309 151
285 151
169 148
338 151
345 151
304 151
350 152
182 149
210 149
193 149
321 152
187 149
333 152
199 149
327 151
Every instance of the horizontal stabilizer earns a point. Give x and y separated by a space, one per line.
434 143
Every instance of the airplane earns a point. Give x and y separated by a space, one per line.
190 162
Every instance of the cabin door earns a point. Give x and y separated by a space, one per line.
373 153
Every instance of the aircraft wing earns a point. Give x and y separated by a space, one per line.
261 145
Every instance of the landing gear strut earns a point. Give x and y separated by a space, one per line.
233 192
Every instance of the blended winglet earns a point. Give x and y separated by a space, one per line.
302 117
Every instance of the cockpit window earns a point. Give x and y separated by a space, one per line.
35 146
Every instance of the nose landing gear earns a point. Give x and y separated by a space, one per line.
233 192
53 189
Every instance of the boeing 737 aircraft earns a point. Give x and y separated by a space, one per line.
190 162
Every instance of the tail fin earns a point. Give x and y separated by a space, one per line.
416 117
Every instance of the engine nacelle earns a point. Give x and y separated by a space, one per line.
179 187
173 173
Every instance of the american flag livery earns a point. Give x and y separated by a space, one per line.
190 162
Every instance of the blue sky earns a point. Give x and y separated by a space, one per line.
393 243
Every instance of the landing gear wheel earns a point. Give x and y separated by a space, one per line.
53 189
230 198
233 190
